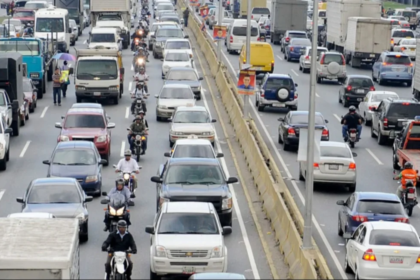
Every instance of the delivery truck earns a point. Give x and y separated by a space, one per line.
75 9
240 10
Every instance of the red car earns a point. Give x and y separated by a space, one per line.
87 124
30 94
25 15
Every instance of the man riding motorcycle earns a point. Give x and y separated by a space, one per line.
119 241
141 76
408 174
141 116
139 93
138 127
128 165
119 188
141 53
137 34
352 120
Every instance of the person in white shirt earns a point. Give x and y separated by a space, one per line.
139 93
142 76
128 165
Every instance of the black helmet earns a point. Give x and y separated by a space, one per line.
122 224
409 184
408 165
352 109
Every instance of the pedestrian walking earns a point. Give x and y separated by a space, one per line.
57 87
65 68
186 16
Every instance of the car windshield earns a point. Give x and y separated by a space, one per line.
49 25
176 33
241 31
30 5
303 119
361 82
182 45
408 14
384 207
26 47
173 19
23 14
389 237
176 93
275 84
297 35
380 97
300 42
73 13
182 75
193 151
91 69
84 121
261 11
322 13
177 57
194 175
74 157
165 7
191 117
2 100
338 152
397 59
102 38
403 34
328 58
318 51
27 86
53 193
410 42
400 110
20 4
183 223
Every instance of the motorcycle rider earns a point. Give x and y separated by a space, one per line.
29 31
352 120
139 93
139 127
136 34
119 188
119 241
141 76
128 165
141 52
407 174
141 116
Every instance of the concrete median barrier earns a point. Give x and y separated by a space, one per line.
279 206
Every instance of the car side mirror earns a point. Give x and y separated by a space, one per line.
110 125
130 203
354 154
58 125
213 120
8 130
326 121
186 36
341 202
150 230
47 162
227 230
219 155
122 71
232 180
156 179
167 154
104 193
88 199
103 161
19 200
280 119
296 85
200 79
70 30
104 201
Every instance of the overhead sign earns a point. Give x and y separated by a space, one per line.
246 82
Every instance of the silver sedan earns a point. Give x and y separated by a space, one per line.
372 100
336 165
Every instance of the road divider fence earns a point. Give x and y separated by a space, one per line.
278 203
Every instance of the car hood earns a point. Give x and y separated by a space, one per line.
189 241
192 127
184 82
83 131
175 102
173 190
65 210
73 171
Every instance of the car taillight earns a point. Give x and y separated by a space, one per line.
409 64
402 48
252 16
406 103
385 122
349 88
371 108
342 58
352 166
231 39
372 88
322 59
418 259
296 95
291 131
287 39
402 220
291 49
258 39
412 190
272 65
307 57
392 41
325 133
369 256
359 218
316 165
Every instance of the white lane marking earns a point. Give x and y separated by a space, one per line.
374 157
294 72
317 95
130 85
22 154
302 199
122 148
132 68
235 205
337 117
279 57
43 112
2 193
127 112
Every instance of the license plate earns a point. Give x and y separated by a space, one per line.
279 105
97 94
396 260
359 99
35 82
372 55
352 134
188 270
333 167
331 77
257 68
138 101
411 49
397 69
360 91
410 195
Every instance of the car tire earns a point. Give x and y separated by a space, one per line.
23 121
154 276
347 267
286 147
373 77
352 187
279 140
27 116
372 133
16 127
84 237
32 108
108 156
345 103
380 81
261 108
368 123
78 99
318 79
158 118
301 178
395 164
339 98
285 57
409 83
300 67
339 228
116 100
381 138
3 164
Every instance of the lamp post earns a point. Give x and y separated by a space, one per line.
219 42
248 53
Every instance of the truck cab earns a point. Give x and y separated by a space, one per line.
122 30
106 38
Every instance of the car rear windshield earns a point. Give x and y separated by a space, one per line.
181 45
177 57
403 34
297 35
176 93
300 42
23 14
175 33
361 82
274 84
261 11
322 13
241 31
193 151
84 121
303 119
404 111
389 237
333 58
182 75
54 193
384 207
164 7
188 223
103 38
402 59
339 152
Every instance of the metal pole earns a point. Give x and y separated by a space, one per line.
8 27
219 42
307 229
248 53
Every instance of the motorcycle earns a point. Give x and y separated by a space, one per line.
352 136
139 102
409 196
139 61
128 179
117 208
119 263
138 139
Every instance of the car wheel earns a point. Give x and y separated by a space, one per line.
84 237
286 146
23 121
367 122
27 115
345 103
373 77
318 79
279 140
154 276
301 178
339 98
347 267
32 107
395 164
352 188
381 138
257 103
380 81
372 132
3 164
340 230
261 108
78 99
409 83
285 56
300 67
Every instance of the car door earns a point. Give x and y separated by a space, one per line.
351 245
376 66
376 115
260 89
284 125
9 113
364 104
346 211
358 249
342 88
6 135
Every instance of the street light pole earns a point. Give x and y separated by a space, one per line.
248 53
219 42
307 229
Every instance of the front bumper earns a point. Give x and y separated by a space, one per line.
164 266
164 113
91 187
100 94
173 137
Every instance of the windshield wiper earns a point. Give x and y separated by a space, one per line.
59 163
181 182
171 232
207 183
78 164
60 202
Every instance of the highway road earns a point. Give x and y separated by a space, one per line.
374 162
39 137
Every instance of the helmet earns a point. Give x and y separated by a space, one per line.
352 109
141 112
127 153
408 165
141 69
119 182
138 118
122 224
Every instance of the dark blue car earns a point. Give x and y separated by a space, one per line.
363 207
80 160
293 50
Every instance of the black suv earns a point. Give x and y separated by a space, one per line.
391 116
195 179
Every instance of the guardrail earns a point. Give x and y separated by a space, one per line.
279 206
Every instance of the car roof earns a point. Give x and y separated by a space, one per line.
201 142
188 207
182 69
193 161
87 105
75 144
333 144
218 275
280 76
191 108
165 22
55 180
359 76
170 27
378 195
304 113
296 31
180 39
88 111
176 51
175 86
390 225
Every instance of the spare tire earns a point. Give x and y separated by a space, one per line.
283 94
333 68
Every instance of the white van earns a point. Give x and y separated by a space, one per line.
106 38
236 34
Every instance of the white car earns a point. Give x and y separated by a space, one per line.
170 97
187 233
178 44
383 250
371 101
4 143
408 47
133 21
193 147
305 58
176 58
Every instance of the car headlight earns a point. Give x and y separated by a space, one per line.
114 88
64 138
101 139
34 75
81 217
227 203
91 179
162 107
80 88
217 252
160 252
140 61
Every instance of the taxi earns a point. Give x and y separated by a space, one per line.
191 120
193 147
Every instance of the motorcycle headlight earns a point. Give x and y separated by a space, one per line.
101 139
140 61
81 217
227 203
120 211
160 252
112 211
217 252
138 137
64 138
126 176
143 138
91 179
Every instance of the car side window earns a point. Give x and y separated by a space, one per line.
350 202
380 59
381 106
7 98
356 233
362 235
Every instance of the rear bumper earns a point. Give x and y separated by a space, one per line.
347 178
396 76
276 103
371 270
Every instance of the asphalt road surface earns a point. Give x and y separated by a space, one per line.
39 137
